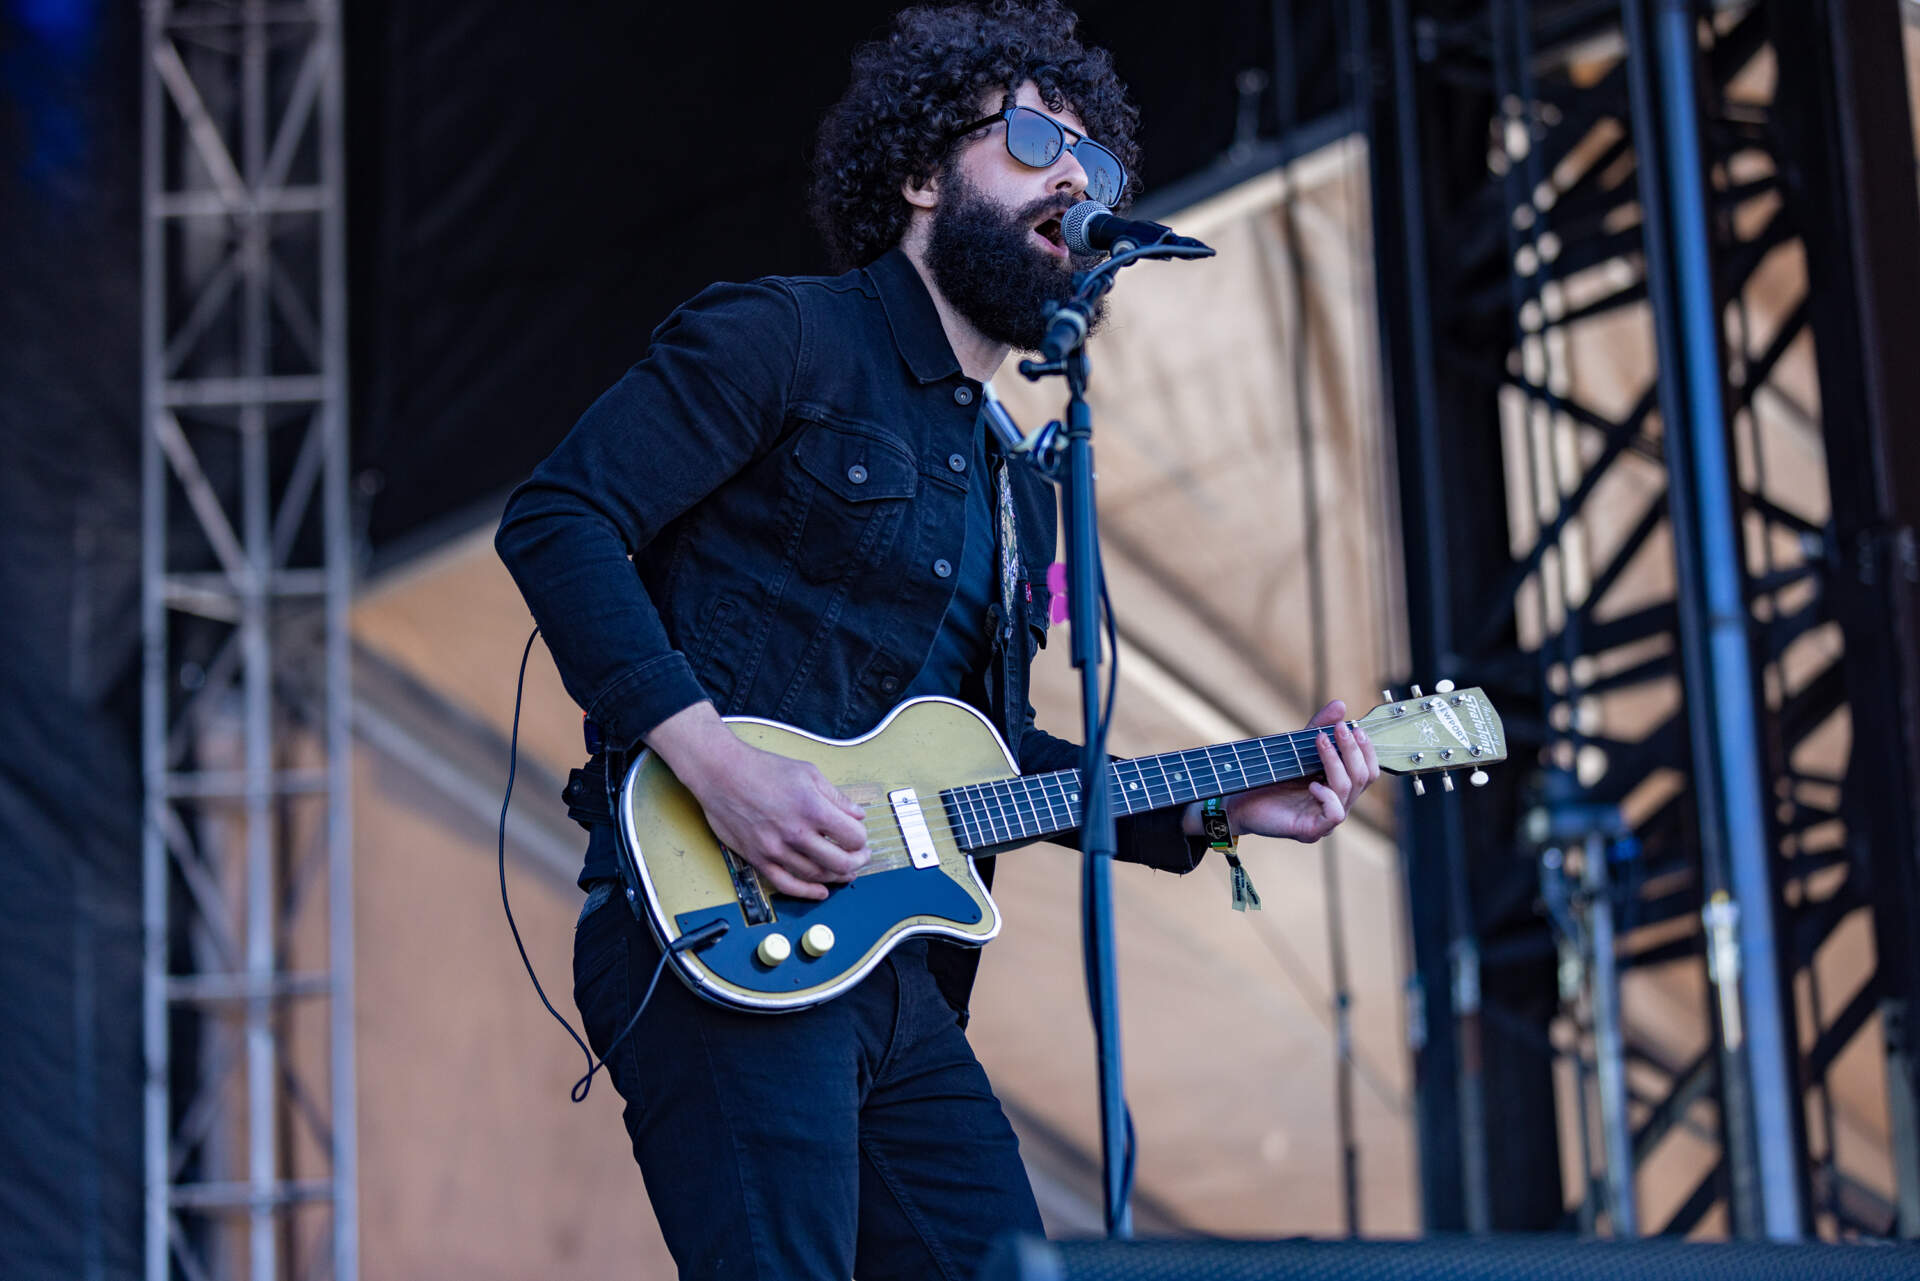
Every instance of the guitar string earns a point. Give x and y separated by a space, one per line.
1291 740
1010 811
988 820
1017 809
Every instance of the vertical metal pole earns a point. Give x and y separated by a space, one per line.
257 657
1084 600
339 694
1756 1078
154 863
1609 1047
1843 100
1463 949
1735 1106
1341 997
1583 1109
1771 1056
239 1176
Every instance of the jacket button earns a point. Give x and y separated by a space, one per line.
889 684
957 461
963 395
941 568
857 474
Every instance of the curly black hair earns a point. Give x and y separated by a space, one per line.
928 78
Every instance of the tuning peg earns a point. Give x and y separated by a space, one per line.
1386 696
1419 786
1478 778
1416 691
1446 782
1444 687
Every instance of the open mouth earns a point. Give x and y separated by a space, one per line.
1049 234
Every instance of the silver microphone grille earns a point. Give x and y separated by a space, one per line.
1073 225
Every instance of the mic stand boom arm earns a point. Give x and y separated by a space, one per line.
1064 353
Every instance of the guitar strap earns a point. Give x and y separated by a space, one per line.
1003 683
1011 570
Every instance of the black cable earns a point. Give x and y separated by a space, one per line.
585 1083
1113 658
1103 723
693 940
513 759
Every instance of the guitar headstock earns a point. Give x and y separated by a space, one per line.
1446 730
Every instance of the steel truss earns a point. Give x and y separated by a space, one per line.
1686 637
248 1018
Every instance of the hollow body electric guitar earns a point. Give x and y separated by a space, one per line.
939 787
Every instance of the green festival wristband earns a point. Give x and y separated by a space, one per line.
1219 833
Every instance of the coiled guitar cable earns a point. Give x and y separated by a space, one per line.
693 940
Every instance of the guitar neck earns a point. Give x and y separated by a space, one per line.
1031 807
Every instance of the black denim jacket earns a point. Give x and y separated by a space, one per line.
787 469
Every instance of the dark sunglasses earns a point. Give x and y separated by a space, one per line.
1037 139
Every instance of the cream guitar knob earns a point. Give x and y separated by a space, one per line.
818 940
773 949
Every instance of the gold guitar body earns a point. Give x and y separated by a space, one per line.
686 880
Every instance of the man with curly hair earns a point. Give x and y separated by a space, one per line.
790 508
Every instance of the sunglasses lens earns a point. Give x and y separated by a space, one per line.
1032 139
1106 177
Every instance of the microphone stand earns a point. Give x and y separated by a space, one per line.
1064 353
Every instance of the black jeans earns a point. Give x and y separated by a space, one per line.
858 1138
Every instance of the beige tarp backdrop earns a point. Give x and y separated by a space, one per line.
473 1162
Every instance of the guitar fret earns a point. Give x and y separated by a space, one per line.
1175 780
1030 823
1190 783
1222 784
1055 821
1069 797
1050 821
1165 786
960 804
1247 778
982 813
968 798
1026 807
1009 804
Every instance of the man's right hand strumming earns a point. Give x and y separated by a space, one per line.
781 815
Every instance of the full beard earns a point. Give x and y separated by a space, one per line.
983 260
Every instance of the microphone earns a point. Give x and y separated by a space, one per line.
1090 228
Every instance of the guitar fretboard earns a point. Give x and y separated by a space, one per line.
1029 807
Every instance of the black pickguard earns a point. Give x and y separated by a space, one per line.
859 914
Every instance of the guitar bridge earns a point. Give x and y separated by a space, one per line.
747 888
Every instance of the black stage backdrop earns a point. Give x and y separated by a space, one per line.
70 1137
531 189
532 195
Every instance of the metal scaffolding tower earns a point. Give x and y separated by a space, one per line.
248 908
1690 574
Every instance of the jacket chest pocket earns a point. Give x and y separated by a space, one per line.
1039 615
854 490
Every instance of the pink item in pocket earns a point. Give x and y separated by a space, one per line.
1057 584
